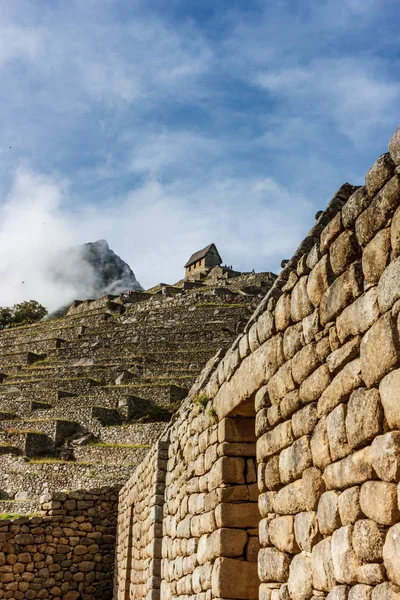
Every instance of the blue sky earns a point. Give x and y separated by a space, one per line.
163 126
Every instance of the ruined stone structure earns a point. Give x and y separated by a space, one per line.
278 477
203 261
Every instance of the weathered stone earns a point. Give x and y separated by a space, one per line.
340 357
341 386
345 560
330 232
300 306
322 566
349 506
359 316
294 460
304 420
386 591
328 513
271 474
368 540
289 500
237 515
376 255
281 383
349 471
231 577
282 312
300 582
371 574
343 251
379 174
391 554
311 326
315 384
274 441
346 288
388 286
312 487
381 340
379 211
293 340
337 436
355 205
226 469
273 565
364 417
239 429
394 148
390 397
378 501
265 326
360 592
385 456
306 530
281 534
290 404
339 592
319 445
319 280
305 362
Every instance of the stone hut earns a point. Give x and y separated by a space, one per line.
203 260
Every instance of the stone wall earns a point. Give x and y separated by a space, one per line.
65 552
315 378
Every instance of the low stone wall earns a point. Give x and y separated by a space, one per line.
315 377
67 552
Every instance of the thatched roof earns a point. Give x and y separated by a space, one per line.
201 254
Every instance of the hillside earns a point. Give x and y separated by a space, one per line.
82 397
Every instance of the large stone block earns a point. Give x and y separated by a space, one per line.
273 566
282 312
359 316
345 560
339 592
386 591
389 390
336 427
343 355
391 554
313 387
265 326
349 506
306 530
331 232
371 573
343 252
289 500
319 280
379 174
381 340
240 515
375 217
360 592
352 470
312 487
281 534
294 460
364 417
300 582
305 362
235 579
239 429
378 501
320 445
281 383
346 288
341 386
328 513
305 420
355 205
227 469
274 441
322 566
385 456
368 540
388 286
222 542
293 340
376 256
300 306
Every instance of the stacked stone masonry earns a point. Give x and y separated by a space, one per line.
282 479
